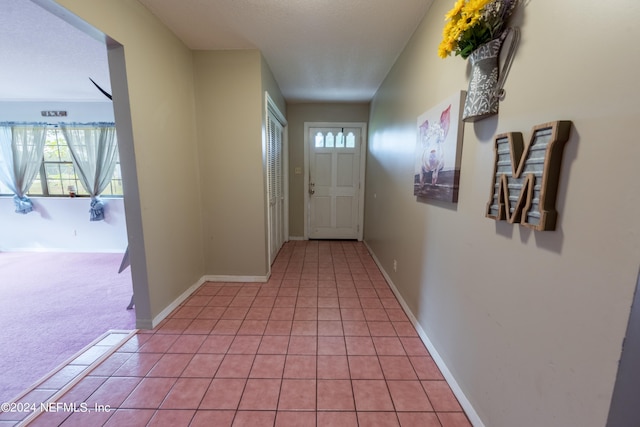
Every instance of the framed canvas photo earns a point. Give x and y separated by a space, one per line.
439 151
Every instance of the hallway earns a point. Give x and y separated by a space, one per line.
323 343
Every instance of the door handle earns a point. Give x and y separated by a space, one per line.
312 191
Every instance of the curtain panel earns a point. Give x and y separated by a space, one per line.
21 152
94 150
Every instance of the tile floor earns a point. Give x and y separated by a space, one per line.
323 343
54 384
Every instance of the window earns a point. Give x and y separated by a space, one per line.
340 140
4 189
58 173
57 169
351 140
329 139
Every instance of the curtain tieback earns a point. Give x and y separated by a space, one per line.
97 209
23 204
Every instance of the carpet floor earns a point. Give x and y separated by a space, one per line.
51 306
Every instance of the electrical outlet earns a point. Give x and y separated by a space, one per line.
395 265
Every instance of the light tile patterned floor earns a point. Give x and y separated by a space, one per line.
323 343
47 389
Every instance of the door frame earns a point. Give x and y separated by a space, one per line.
272 108
624 410
363 156
124 130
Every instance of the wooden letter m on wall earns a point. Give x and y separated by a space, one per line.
525 180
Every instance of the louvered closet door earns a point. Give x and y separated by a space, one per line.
275 186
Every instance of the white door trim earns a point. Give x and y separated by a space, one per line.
272 108
363 156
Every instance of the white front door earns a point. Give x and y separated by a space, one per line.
334 182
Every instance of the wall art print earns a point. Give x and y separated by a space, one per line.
439 150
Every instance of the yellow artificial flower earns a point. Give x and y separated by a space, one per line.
456 10
469 20
471 23
455 33
474 6
443 52
447 30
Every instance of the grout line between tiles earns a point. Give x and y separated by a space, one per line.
78 377
356 281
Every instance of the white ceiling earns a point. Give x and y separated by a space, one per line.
44 58
318 50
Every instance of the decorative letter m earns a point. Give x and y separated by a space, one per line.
525 180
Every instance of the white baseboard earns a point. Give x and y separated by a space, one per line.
236 279
446 373
186 294
296 238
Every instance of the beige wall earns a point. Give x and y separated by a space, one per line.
269 84
529 323
229 109
159 71
297 115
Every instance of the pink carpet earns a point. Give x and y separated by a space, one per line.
51 306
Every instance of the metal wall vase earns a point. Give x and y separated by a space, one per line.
485 86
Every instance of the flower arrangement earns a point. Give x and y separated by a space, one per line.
472 23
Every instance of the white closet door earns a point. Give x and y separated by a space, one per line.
275 184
